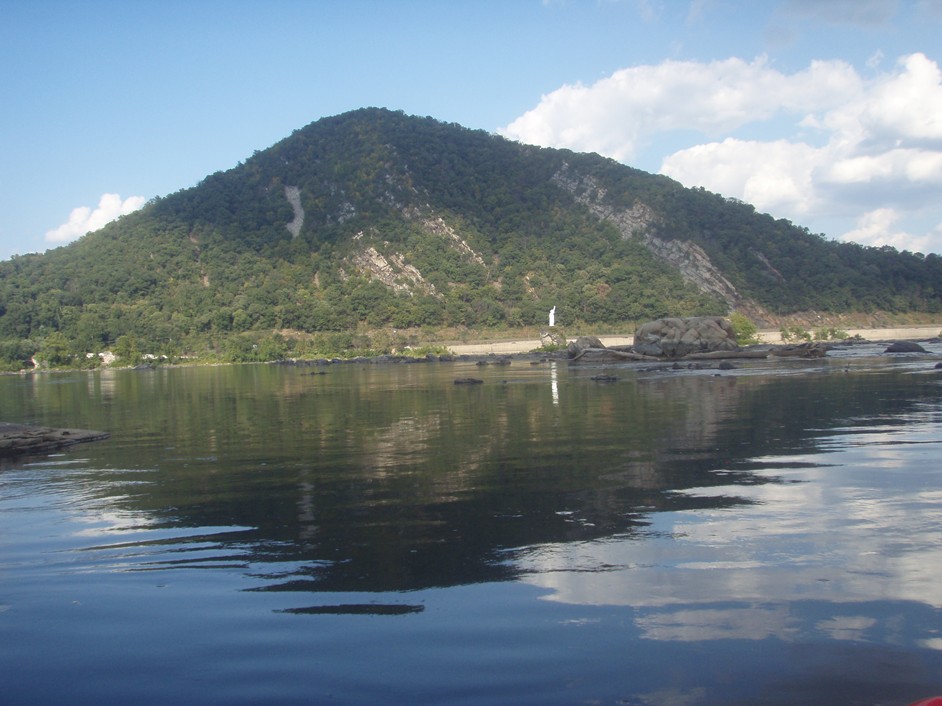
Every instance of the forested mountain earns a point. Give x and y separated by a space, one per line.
374 219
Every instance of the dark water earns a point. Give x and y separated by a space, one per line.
380 535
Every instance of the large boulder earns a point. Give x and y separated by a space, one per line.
905 347
677 337
582 344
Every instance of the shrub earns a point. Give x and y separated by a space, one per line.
829 334
795 333
746 332
423 351
16 354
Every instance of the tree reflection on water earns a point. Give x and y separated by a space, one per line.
390 479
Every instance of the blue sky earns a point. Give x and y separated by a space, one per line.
825 112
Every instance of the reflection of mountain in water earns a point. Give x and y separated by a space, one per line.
395 479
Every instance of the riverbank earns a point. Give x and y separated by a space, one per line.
521 345
506 347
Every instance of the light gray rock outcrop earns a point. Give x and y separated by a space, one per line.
678 337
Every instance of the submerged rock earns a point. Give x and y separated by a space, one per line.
21 439
905 347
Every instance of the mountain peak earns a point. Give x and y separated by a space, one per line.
375 218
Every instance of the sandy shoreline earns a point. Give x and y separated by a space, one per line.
523 346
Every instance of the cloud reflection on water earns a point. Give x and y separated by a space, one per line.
854 529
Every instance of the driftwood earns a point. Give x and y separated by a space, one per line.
627 355
720 355
802 350
631 355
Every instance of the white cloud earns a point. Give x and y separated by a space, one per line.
84 220
773 176
839 144
878 228
615 114
913 166
907 104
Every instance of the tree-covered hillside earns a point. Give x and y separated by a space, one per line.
376 219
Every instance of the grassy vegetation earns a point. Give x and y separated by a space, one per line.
747 333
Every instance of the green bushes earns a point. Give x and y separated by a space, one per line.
746 332
794 333
830 334
16 354
799 333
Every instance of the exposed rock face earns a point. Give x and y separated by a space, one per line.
641 221
676 337
393 271
380 263
293 194
695 267
769 269
439 227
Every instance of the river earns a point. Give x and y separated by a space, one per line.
377 534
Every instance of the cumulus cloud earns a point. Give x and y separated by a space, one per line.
907 104
615 114
840 144
83 219
878 228
774 176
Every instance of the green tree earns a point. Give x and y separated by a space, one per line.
54 351
747 333
126 350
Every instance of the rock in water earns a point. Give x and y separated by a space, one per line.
21 439
583 343
677 337
905 347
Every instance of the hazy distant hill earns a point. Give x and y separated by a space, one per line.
378 219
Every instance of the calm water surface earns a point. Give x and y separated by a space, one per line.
365 534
